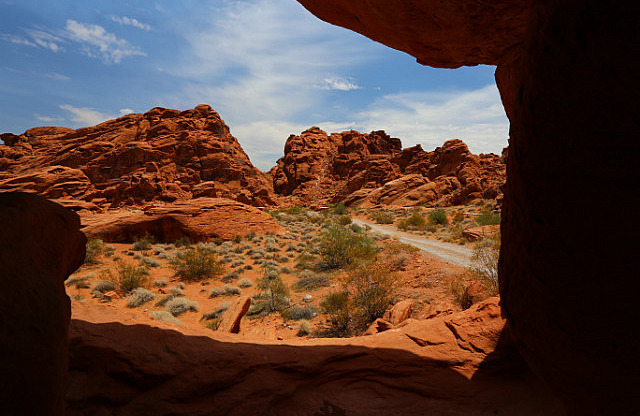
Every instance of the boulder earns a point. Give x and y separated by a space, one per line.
230 320
399 312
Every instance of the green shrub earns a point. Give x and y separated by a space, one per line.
344 220
381 217
196 264
273 291
131 277
488 218
178 306
341 247
183 241
340 209
297 313
139 296
164 316
372 290
438 216
338 306
160 283
485 263
95 248
217 312
78 282
415 222
310 281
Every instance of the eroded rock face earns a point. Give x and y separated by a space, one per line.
567 75
199 219
40 246
366 170
163 155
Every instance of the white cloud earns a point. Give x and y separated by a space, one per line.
56 76
84 116
17 40
337 83
125 111
476 117
130 21
99 43
47 119
46 40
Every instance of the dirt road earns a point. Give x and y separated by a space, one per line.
451 253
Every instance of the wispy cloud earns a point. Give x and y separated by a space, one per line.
35 38
99 43
338 83
84 116
131 21
56 76
47 119
16 40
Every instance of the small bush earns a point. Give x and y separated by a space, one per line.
160 283
355 228
78 282
182 242
286 269
139 296
104 286
226 290
372 290
163 301
245 282
131 277
297 313
344 220
400 260
340 247
338 306
340 209
143 243
149 261
488 218
461 293
304 328
485 263
217 312
381 217
310 281
438 216
164 316
415 222
95 248
273 291
178 306
196 264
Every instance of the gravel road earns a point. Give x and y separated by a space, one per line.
451 253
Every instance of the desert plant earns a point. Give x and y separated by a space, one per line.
372 290
400 260
196 264
95 248
485 263
164 316
340 209
178 306
461 292
381 217
343 220
297 313
488 217
273 291
286 269
310 281
149 261
78 282
304 328
160 282
139 296
131 277
225 290
245 282
337 306
163 301
183 241
340 247
414 222
143 243
438 216
103 286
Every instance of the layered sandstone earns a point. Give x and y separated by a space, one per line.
372 169
162 155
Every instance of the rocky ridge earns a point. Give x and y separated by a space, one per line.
162 155
372 169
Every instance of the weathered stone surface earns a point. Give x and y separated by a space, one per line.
162 155
399 312
230 320
199 219
40 246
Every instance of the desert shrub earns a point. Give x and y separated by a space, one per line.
178 306
273 292
355 228
271 248
95 248
381 217
139 296
340 247
131 277
78 282
149 261
237 239
286 269
304 328
459 216
297 313
225 290
196 264
230 277
310 281
338 308
183 241
160 283
400 260
103 286
217 312
488 218
461 293
340 209
143 243
282 259
485 263
372 290
250 235
438 216
344 220
306 261
163 301
164 316
245 282
414 222
137 256
237 263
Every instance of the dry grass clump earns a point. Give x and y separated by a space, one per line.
78 282
164 316
179 305
103 286
485 263
310 280
304 328
139 296
225 290
95 248
245 282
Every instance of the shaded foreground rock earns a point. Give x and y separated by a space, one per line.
199 219
161 155
40 246
444 366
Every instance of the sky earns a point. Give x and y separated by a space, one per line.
268 67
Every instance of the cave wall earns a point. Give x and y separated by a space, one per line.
567 74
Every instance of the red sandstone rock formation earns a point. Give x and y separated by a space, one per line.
458 364
230 320
40 246
199 219
162 155
372 169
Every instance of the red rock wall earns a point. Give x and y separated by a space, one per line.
40 246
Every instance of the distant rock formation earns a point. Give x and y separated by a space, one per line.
162 155
372 169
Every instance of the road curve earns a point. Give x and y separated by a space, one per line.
451 253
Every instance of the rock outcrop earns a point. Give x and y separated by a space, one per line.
567 73
40 246
199 219
372 169
162 155
446 366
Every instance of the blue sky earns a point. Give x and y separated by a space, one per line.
268 67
